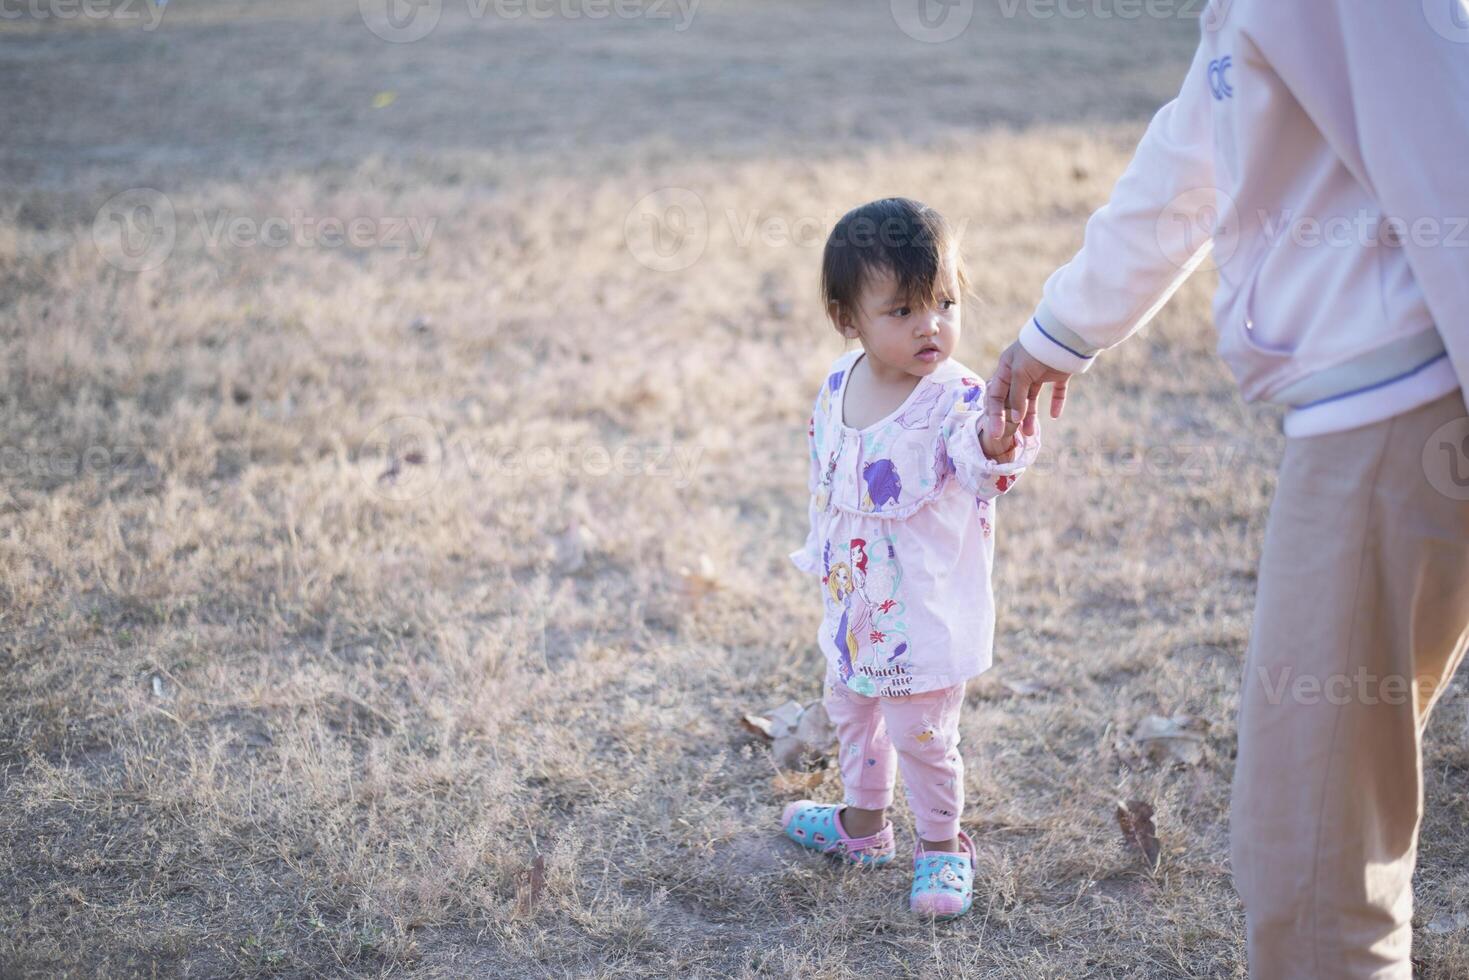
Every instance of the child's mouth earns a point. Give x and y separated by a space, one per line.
928 354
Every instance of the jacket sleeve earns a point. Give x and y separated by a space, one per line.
1141 245
1387 85
960 451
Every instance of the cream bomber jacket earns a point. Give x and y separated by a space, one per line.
1317 151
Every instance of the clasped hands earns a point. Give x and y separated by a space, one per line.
1010 400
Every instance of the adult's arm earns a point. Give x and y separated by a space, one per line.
1136 251
1142 244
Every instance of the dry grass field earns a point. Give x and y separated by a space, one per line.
388 607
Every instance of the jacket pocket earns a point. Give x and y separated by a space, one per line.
1251 358
1265 342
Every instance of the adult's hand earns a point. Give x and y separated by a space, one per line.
1010 398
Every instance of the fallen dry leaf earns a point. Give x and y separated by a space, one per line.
1135 818
814 727
790 752
1170 739
756 725
784 719
799 734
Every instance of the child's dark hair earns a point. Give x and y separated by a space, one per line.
910 240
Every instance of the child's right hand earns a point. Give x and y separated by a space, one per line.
1017 381
1004 447
1001 448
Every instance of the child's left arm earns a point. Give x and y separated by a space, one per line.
808 557
984 466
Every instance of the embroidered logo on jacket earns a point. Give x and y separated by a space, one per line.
1219 78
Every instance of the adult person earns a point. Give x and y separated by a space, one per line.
1320 145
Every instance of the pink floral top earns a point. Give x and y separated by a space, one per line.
902 533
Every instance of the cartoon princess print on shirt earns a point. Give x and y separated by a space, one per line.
870 636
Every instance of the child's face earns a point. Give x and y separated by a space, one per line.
902 337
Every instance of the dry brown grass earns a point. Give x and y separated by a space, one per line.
270 710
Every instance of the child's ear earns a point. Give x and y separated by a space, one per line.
841 320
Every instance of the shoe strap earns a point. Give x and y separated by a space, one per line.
855 843
966 852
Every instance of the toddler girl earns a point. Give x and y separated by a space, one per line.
903 485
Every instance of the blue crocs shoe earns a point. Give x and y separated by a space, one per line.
943 882
816 825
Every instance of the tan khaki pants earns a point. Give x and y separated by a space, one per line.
1361 617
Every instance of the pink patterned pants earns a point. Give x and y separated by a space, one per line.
917 734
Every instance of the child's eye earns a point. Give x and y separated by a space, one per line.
949 304
901 311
